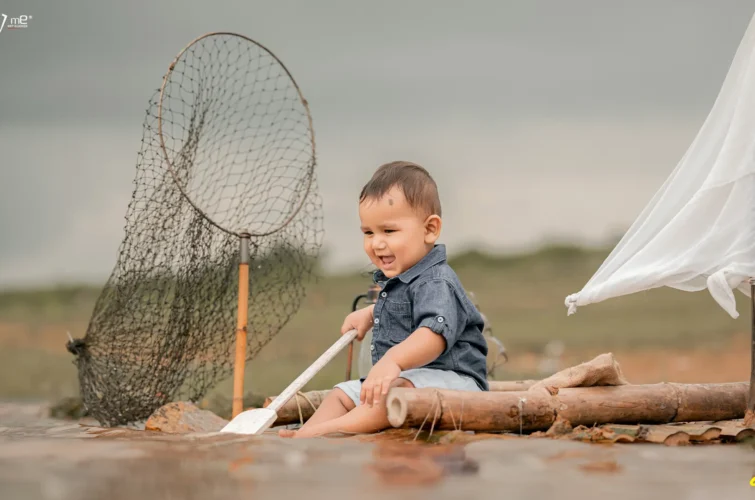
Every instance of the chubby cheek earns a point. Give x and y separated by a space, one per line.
408 253
399 250
368 249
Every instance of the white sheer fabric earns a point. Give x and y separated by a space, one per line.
698 231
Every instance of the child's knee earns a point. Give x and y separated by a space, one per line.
343 398
402 382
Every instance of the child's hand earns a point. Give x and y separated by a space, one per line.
375 387
360 319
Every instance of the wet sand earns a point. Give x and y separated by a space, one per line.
42 458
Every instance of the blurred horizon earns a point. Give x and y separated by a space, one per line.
476 255
541 122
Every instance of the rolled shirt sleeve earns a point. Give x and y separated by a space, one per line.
436 306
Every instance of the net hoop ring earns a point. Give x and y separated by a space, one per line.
310 170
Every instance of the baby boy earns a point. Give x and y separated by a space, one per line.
425 330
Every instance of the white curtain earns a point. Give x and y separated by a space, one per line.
698 231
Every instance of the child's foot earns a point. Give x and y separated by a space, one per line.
287 433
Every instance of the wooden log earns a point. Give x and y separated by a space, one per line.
698 402
289 412
537 410
469 410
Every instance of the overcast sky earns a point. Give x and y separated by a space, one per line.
539 120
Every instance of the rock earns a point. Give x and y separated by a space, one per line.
183 417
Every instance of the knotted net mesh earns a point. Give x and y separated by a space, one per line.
227 148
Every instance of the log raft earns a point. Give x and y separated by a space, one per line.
537 410
289 413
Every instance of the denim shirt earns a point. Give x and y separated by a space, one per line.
430 294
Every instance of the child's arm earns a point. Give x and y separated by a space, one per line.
440 318
419 349
361 319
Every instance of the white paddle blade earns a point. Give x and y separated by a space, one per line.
258 420
254 422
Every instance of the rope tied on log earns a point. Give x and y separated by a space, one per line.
298 405
435 408
294 410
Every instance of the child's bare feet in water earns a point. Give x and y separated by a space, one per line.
287 433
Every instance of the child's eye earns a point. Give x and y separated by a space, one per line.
368 233
390 231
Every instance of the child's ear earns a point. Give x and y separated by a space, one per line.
433 225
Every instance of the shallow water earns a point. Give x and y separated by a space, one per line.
42 458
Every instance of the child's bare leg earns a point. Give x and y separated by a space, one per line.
361 419
336 404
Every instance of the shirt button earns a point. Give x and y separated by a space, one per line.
377 320
440 319
383 294
372 347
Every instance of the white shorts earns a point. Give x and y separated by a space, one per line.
420 378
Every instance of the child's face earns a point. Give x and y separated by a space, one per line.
395 235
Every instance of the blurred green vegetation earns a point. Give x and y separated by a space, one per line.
522 295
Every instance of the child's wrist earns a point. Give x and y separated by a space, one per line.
390 357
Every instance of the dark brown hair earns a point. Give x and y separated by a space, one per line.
415 182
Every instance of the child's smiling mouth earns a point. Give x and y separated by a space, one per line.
386 260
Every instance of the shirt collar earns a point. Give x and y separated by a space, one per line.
434 257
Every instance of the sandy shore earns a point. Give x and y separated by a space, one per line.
42 458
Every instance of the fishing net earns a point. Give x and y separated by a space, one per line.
227 151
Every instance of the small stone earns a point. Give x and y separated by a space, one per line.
183 417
